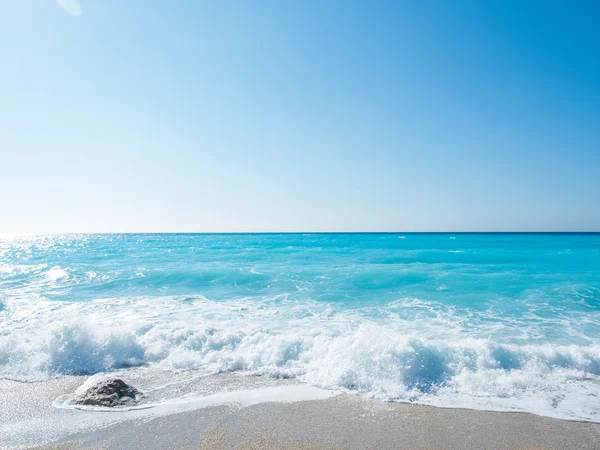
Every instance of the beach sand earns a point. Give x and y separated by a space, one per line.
337 423
278 414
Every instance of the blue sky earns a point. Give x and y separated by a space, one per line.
300 115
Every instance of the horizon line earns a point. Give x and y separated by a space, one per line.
33 233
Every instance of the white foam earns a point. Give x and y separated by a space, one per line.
241 397
56 273
429 355
6 268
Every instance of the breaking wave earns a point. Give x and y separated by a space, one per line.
388 358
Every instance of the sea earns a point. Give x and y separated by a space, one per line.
490 321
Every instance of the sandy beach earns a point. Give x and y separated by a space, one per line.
338 423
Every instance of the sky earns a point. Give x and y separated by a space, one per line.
219 116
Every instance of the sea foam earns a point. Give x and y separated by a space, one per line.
325 348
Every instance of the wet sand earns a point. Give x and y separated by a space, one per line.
338 423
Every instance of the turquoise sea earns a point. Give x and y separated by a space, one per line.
488 321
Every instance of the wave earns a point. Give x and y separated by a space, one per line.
315 343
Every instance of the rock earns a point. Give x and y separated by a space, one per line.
108 392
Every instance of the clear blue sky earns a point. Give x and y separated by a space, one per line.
299 115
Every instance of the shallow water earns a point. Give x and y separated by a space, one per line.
487 321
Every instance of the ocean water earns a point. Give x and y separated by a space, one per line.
485 321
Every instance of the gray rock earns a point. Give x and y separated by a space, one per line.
109 392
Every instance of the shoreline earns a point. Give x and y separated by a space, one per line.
338 422
264 413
